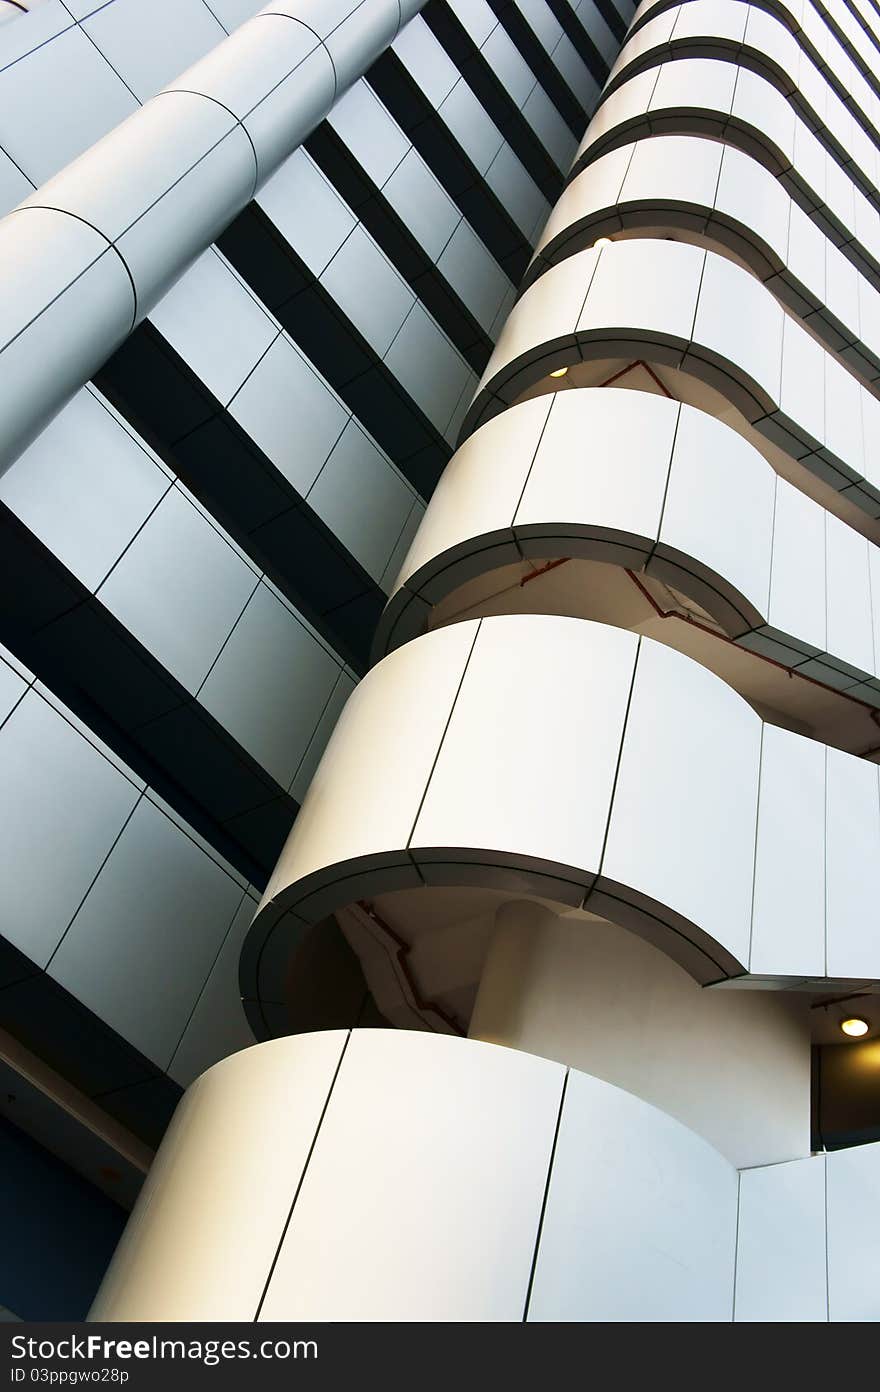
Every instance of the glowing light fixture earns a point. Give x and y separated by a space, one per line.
560 372
855 1027
601 242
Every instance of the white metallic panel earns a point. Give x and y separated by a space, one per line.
142 943
179 588
362 498
797 584
426 61
218 1026
692 82
481 485
63 806
391 1143
424 206
364 797
719 504
84 487
307 210
547 312
599 187
517 192
740 321
843 417
366 31
368 289
641 1228
850 627
57 102
214 1149
854 1234
473 273
290 412
369 131
12 688
273 718
602 462
428 366
676 167
478 136
788 911
216 325
780 1256
629 288
565 685
762 107
685 801
148 42
749 195
852 866
802 386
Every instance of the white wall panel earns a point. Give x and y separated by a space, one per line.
364 796
466 1217
686 796
220 1272
594 1263
853 865
780 1255
566 685
797 584
854 1234
788 911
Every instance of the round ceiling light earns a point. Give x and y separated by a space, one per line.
855 1027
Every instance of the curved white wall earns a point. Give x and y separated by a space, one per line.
651 484
384 1175
97 245
733 1066
698 312
647 770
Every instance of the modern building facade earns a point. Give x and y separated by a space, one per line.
440 682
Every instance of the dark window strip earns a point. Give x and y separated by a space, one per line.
497 101
580 38
444 156
616 23
77 1044
567 102
385 226
311 316
166 403
130 701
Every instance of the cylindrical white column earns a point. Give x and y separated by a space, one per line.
92 251
733 1064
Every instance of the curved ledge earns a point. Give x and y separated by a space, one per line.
716 192
649 772
320 1146
822 40
648 483
748 36
707 97
698 312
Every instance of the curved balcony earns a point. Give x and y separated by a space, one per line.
644 483
712 322
580 764
702 96
716 196
827 90
515 1189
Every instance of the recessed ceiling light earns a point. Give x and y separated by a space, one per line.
560 372
855 1027
601 242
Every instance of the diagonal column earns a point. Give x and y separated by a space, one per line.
92 251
